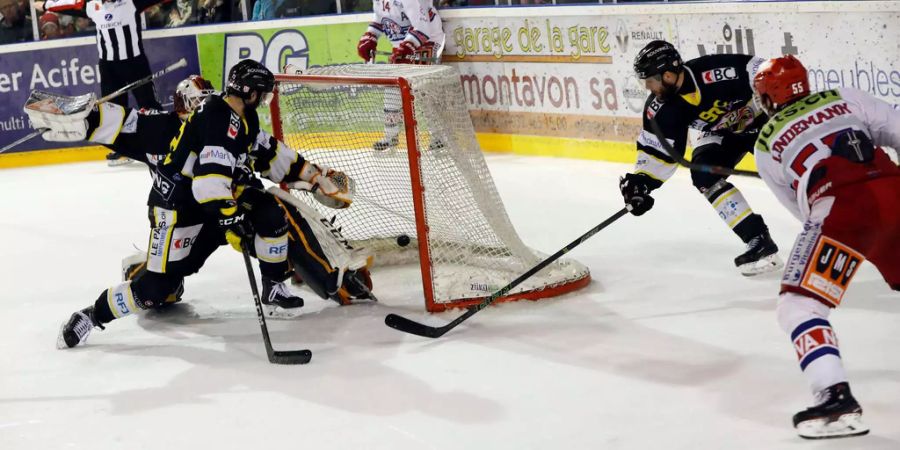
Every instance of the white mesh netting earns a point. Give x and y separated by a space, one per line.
474 249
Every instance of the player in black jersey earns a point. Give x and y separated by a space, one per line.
712 94
205 193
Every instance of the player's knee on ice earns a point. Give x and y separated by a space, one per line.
153 290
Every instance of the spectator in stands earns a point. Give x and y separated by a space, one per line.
13 26
266 9
214 11
83 26
54 26
48 24
181 14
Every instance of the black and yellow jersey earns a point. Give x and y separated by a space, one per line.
713 87
212 146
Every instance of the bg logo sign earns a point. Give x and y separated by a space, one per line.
284 47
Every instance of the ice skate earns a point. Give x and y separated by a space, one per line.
356 288
114 159
839 415
386 143
279 301
761 256
77 329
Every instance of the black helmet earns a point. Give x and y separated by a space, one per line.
248 76
656 58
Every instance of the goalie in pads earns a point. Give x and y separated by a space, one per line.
190 219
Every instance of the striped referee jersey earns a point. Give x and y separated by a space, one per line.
118 24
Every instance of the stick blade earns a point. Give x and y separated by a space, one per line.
290 357
405 325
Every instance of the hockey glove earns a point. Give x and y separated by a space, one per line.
238 231
739 120
403 53
366 46
636 190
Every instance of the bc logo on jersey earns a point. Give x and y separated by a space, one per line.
653 108
233 126
719 74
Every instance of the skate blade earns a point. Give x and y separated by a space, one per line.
766 264
279 313
119 162
60 341
846 425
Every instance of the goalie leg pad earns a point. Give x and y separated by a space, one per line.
322 257
311 266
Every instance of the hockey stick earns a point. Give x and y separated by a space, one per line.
275 357
408 326
128 87
715 170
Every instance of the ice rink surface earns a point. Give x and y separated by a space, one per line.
668 348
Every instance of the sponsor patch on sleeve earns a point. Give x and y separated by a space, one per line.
653 108
234 125
830 269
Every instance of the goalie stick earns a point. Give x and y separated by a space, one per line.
128 87
275 356
715 170
409 326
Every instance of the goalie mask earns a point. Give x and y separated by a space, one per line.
190 93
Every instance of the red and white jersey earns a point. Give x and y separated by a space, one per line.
798 137
416 21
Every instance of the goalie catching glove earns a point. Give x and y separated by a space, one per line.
330 187
63 117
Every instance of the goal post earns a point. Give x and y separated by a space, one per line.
424 193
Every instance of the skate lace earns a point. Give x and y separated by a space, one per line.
754 242
822 397
83 326
278 289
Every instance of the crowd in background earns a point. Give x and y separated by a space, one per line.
17 18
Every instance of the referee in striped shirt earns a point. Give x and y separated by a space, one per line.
119 44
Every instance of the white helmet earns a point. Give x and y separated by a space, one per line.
190 93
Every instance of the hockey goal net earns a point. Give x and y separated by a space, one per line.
430 184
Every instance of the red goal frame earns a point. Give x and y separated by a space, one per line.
417 188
